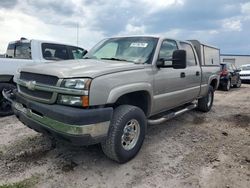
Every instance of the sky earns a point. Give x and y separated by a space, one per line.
221 23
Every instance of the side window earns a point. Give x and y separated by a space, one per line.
76 53
234 67
190 53
228 67
54 52
167 49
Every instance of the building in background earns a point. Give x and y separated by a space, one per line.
2 55
238 60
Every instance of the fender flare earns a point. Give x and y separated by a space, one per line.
119 91
214 77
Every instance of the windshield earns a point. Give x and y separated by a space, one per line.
245 68
131 49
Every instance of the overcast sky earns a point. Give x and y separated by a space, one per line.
222 23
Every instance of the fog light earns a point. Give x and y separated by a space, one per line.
70 100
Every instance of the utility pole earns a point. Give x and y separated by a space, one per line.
77 33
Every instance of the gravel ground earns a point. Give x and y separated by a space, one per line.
193 150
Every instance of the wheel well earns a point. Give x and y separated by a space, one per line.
140 99
213 83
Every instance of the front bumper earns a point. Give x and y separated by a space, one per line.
76 125
245 78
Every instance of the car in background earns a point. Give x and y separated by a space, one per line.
31 52
245 73
229 76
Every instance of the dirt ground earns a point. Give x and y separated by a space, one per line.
193 150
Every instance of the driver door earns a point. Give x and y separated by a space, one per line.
169 83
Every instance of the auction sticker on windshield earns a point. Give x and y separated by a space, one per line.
139 44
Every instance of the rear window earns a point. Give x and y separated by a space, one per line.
19 50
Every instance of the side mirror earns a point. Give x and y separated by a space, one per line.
84 52
160 63
179 59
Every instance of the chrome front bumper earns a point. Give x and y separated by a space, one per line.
40 118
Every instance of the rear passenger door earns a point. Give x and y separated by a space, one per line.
192 73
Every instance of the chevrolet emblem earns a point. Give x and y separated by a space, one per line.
31 85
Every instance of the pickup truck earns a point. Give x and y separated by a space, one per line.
23 52
122 85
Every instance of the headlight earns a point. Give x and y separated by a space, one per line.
73 100
77 83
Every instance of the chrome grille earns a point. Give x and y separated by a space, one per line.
37 94
39 78
245 75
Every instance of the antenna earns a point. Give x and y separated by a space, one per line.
77 33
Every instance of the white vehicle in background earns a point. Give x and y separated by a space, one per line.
245 73
30 52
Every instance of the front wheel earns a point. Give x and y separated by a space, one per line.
238 85
205 104
5 106
126 133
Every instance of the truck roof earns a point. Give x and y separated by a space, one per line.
24 40
198 42
149 35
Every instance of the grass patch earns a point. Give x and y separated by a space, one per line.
27 183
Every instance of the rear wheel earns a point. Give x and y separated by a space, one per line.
227 86
206 103
126 133
5 106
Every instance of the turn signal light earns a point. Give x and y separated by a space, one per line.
85 101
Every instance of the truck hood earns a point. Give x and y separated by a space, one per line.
245 72
81 68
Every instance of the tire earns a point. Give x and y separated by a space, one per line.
227 86
205 104
5 106
238 85
115 147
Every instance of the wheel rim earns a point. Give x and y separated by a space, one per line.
228 84
130 134
209 100
239 83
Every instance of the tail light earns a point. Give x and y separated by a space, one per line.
224 72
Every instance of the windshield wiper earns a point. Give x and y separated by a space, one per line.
115 59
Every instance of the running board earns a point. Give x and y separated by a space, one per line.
171 115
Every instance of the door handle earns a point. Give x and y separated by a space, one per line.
197 73
183 75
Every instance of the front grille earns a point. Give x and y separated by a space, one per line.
245 75
39 78
36 93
